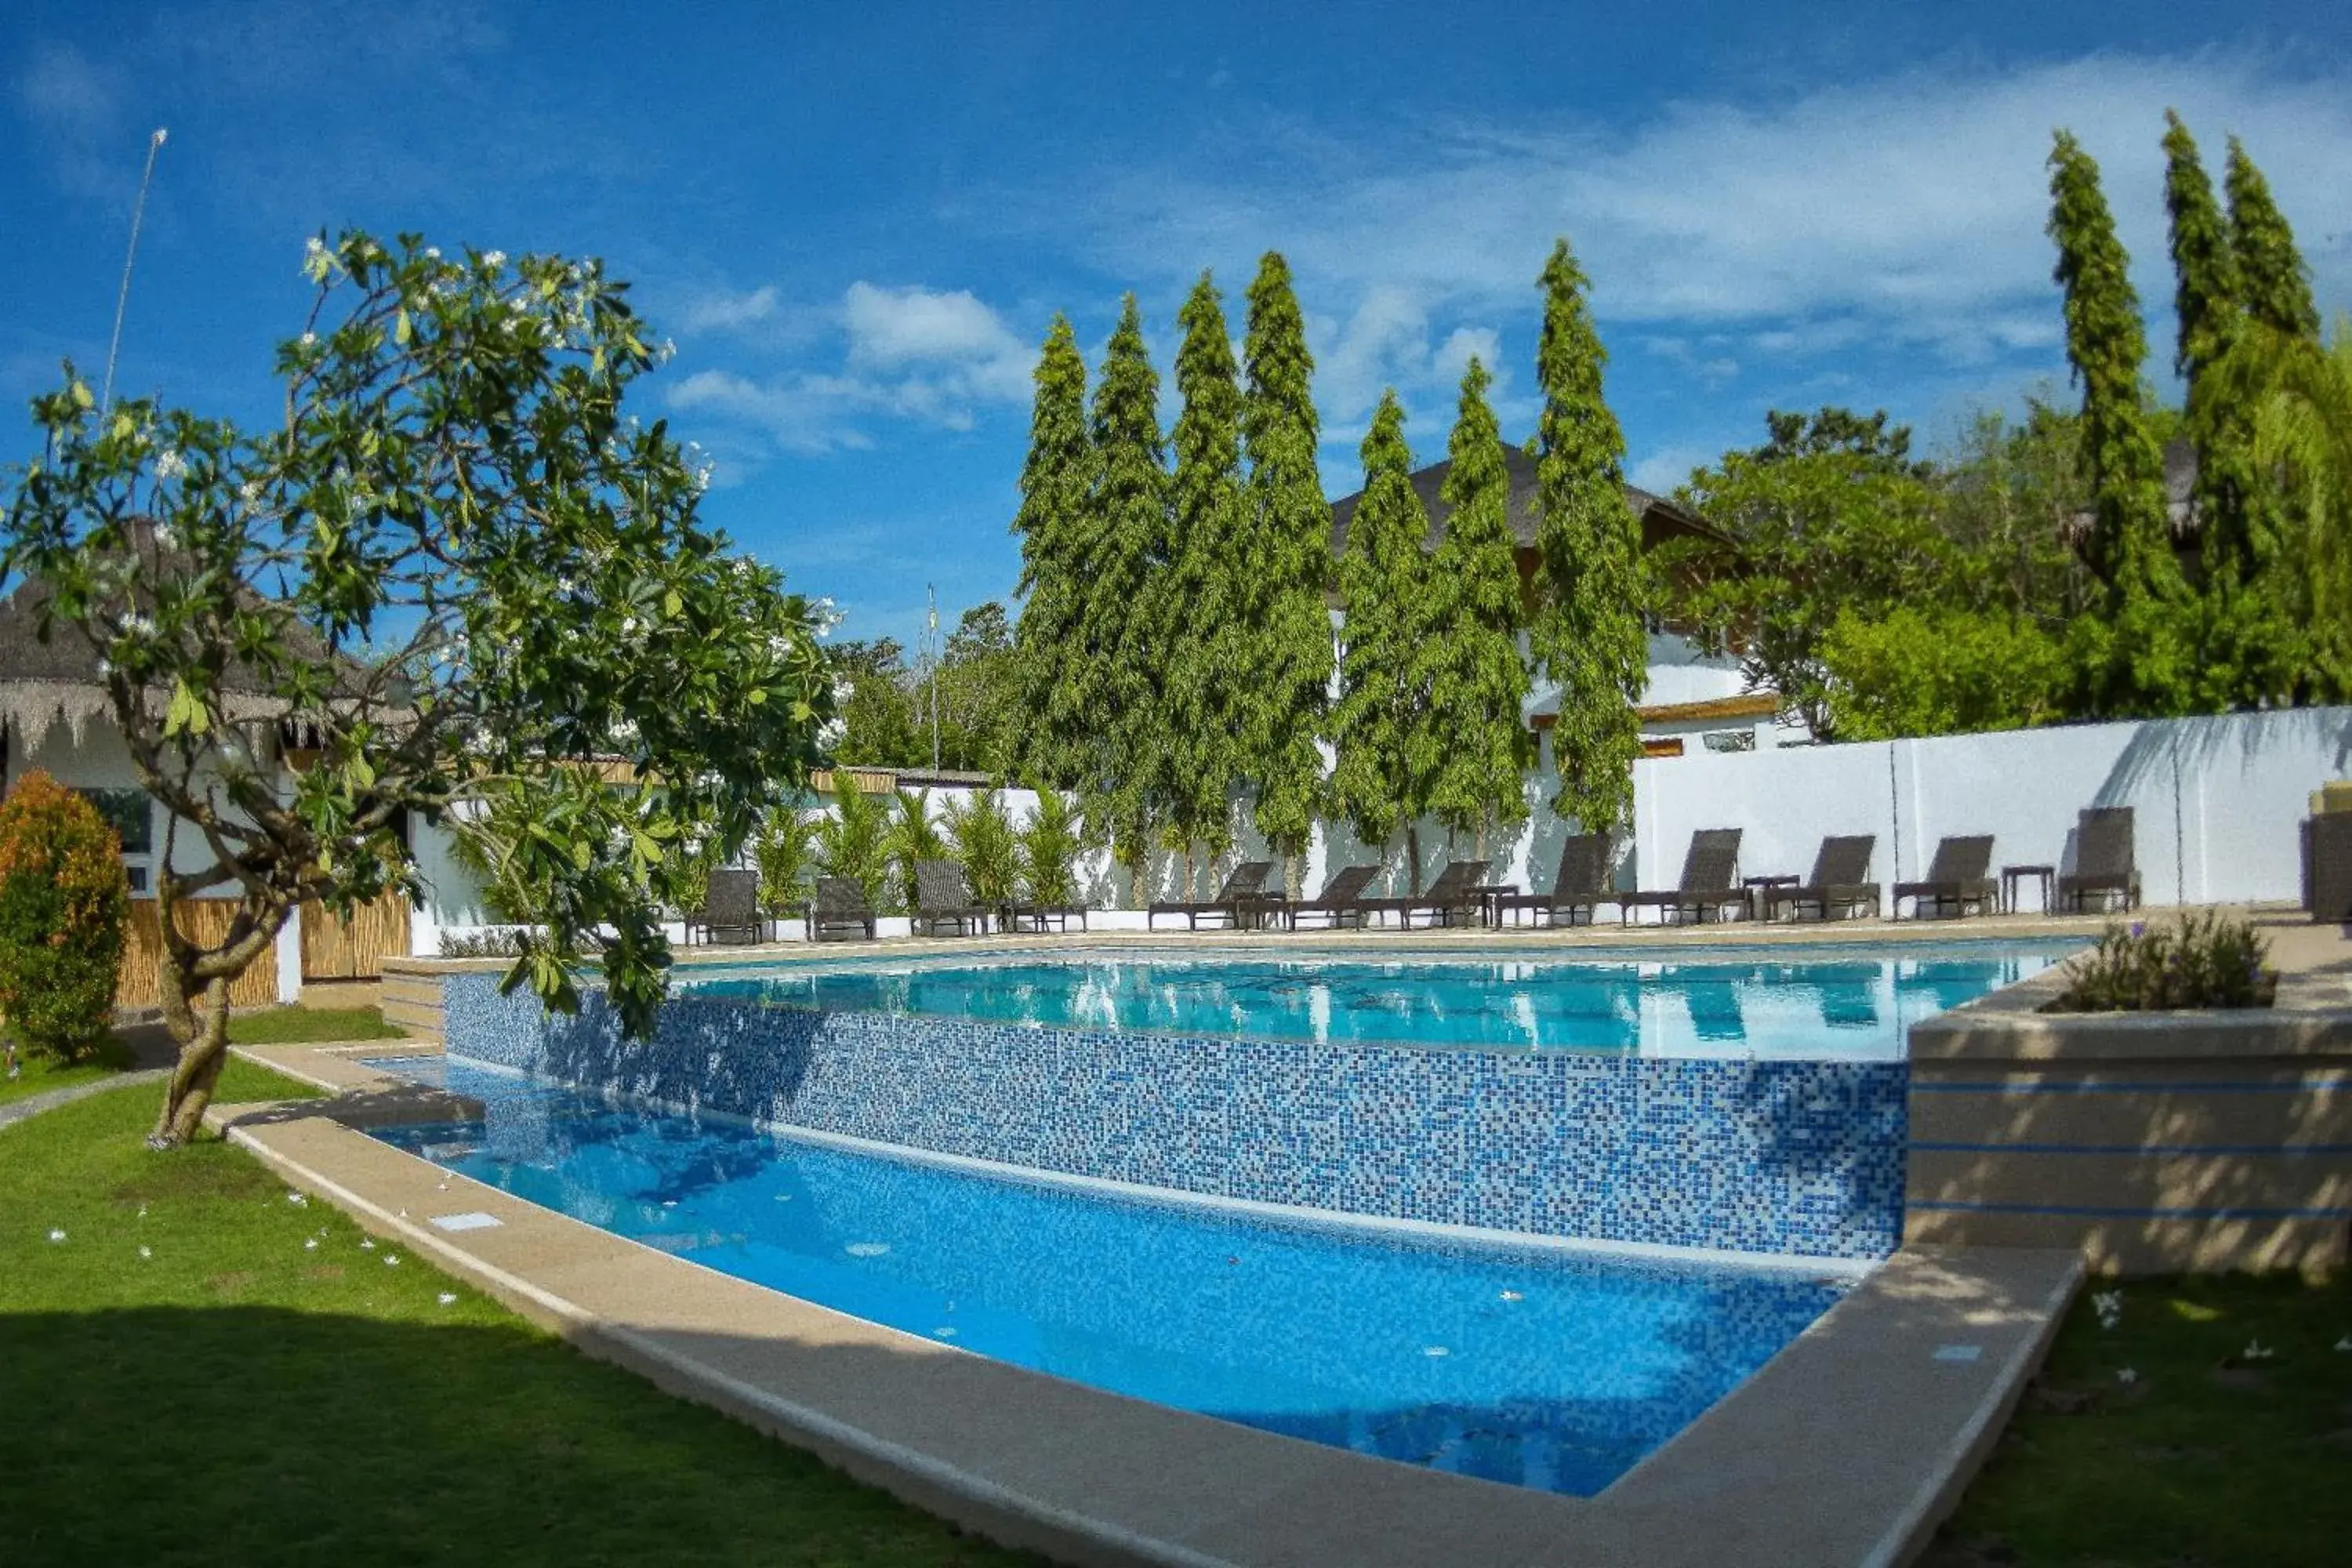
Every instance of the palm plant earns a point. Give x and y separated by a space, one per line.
1049 846
784 853
852 841
985 843
911 837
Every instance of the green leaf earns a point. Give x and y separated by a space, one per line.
82 395
400 330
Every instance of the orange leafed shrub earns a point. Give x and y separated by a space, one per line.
63 902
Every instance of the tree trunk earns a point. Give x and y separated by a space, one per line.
203 1051
1412 857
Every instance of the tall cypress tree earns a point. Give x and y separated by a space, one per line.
1128 527
1387 745
2277 284
2133 661
1477 680
1587 633
1056 482
2249 646
1197 602
1285 565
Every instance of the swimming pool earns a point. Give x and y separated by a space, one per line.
1545 1368
1771 1002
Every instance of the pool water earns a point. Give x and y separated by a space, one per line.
1780 1002
1544 1368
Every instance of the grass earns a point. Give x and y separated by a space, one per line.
2209 1453
188 1380
269 1027
296 1025
40 1075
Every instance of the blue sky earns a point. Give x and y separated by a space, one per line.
856 225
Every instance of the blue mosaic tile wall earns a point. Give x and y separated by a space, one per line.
1785 1157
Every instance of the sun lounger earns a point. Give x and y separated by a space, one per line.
1037 917
1238 903
839 910
1583 883
1959 876
2104 865
1455 893
942 893
1840 881
730 909
1342 901
1710 880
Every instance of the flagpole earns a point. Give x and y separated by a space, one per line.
123 299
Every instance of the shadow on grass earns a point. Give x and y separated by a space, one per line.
260 1436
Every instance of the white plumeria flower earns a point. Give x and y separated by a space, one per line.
310 1244
2257 1351
250 492
146 1252
2125 1376
367 1243
169 463
300 1200
448 1297
432 253
56 1234
494 259
392 1260
2344 1344
309 339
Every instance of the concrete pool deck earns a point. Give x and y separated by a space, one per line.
1846 1448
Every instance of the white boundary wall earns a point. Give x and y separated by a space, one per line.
2216 805
2216 801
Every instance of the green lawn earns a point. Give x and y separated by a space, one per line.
188 1380
40 1075
295 1026
2204 1457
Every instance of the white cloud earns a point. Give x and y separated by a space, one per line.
75 107
922 355
721 310
953 332
1902 212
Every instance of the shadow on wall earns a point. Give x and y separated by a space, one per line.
2150 1165
2163 749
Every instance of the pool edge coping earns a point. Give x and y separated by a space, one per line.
1616 1525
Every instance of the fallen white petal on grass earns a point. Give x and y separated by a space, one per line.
146 1252
2127 1375
310 1244
392 1260
57 1235
448 1297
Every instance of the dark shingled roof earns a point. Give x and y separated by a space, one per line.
1661 519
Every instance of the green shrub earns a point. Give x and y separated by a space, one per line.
63 901
1049 850
2205 961
853 842
784 852
986 845
910 838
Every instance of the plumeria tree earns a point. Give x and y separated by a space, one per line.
455 571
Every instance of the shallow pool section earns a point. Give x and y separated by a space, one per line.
1772 1003
1543 1368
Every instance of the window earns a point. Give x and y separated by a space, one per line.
128 812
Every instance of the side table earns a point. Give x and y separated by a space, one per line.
1760 890
2012 879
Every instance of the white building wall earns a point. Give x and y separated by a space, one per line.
2216 801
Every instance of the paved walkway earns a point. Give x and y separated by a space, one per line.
17 1111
